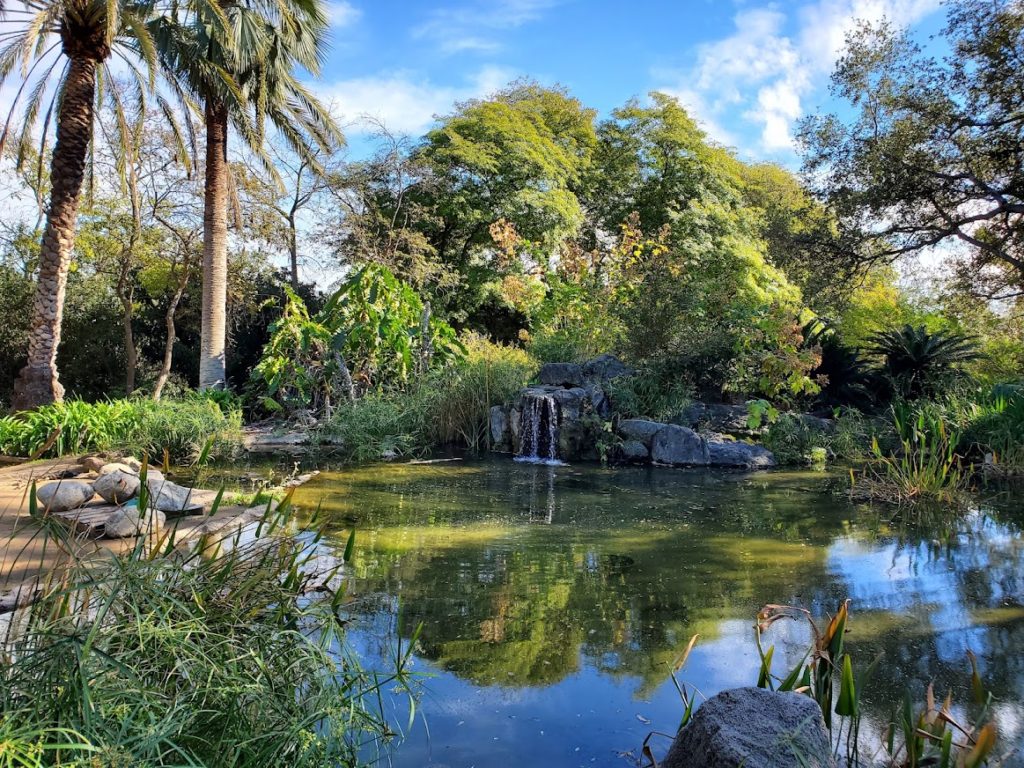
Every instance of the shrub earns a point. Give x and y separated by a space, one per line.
235 658
659 391
451 406
182 427
459 397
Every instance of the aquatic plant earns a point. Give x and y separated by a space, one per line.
925 466
231 653
930 735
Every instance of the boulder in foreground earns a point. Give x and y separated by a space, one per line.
753 727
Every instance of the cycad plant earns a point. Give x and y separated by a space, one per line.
842 374
61 50
918 362
238 62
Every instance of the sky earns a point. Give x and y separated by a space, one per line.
746 69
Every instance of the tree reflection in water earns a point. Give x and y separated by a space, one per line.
525 577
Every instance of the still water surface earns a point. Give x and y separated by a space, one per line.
554 600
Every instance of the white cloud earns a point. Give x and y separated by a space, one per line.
478 26
773 61
404 102
341 13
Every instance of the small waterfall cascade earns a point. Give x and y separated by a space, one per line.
538 431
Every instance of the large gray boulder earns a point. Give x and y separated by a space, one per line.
570 402
605 368
128 522
679 446
641 430
62 495
732 453
753 728
169 497
116 485
716 417
561 375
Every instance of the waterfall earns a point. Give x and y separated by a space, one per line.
538 432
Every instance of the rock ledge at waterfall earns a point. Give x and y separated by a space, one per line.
569 416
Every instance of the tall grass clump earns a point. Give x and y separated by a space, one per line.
994 427
460 396
449 406
657 391
925 466
182 427
216 656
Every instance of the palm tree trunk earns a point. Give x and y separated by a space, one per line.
38 382
212 369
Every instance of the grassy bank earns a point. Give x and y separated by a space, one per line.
181 427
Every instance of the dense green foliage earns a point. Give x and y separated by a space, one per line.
181 427
450 406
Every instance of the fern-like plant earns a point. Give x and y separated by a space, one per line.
920 363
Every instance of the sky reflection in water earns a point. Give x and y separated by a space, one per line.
554 599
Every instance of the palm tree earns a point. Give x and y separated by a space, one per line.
258 49
62 50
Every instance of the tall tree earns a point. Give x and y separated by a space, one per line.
934 151
242 73
86 34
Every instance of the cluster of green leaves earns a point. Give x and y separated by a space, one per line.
370 331
181 427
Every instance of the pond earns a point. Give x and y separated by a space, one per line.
555 599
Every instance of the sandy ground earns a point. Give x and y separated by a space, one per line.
26 552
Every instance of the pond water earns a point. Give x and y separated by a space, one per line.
554 599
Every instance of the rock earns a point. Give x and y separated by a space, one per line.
62 495
641 430
389 455
561 375
116 486
132 463
500 432
753 727
167 496
677 445
633 451
599 401
119 466
570 402
715 417
515 423
127 522
92 463
733 453
605 368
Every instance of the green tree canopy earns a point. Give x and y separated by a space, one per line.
934 150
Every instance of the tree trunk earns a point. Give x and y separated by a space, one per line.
293 250
212 368
169 323
131 360
38 383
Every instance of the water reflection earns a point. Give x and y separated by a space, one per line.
554 599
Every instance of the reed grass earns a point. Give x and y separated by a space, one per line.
229 652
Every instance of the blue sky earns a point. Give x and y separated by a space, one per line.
746 69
